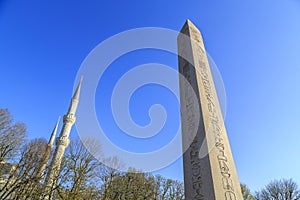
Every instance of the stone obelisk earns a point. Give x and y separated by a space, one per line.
209 170
61 143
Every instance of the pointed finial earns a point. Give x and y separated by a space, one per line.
77 91
51 140
189 23
75 98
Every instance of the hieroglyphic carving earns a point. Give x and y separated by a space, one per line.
215 124
196 170
193 152
212 176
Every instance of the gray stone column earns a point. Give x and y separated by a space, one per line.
209 170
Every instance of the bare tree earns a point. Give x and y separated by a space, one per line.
81 176
107 176
168 189
279 190
12 136
22 181
176 191
77 176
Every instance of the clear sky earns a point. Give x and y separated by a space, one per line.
255 44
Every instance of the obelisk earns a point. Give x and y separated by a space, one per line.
209 170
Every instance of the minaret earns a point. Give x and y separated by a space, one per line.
47 153
62 142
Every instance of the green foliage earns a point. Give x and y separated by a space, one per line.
246 192
83 177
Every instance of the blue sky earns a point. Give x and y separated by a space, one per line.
255 45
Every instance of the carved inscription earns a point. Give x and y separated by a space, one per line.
214 176
193 149
216 127
196 170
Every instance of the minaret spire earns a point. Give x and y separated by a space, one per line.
53 134
47 152
62 142
75 98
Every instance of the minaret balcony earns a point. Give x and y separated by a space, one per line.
69 118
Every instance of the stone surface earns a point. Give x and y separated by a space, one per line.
209 170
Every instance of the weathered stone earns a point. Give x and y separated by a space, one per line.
209 170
